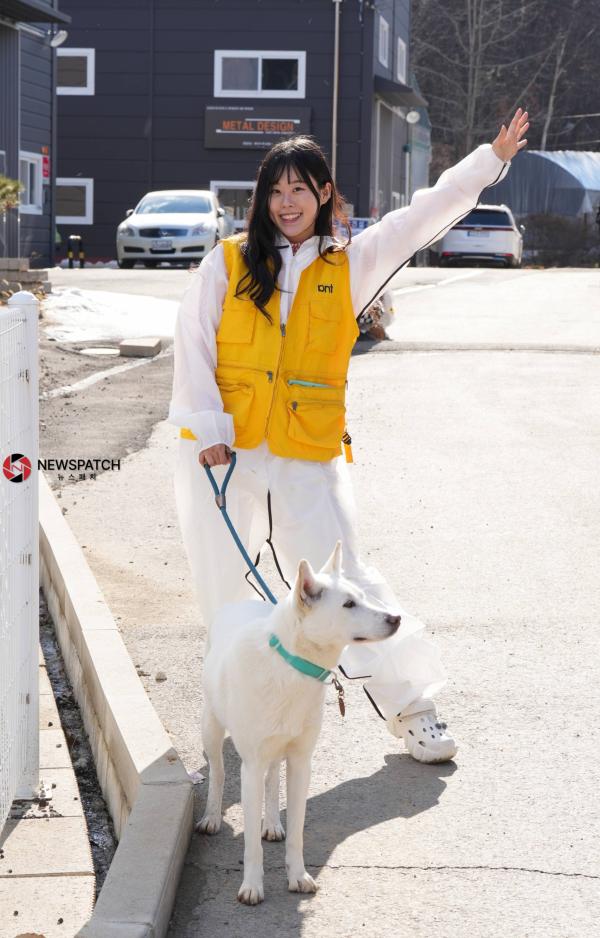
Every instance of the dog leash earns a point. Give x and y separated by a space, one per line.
299 664
221 501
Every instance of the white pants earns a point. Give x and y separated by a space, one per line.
312 505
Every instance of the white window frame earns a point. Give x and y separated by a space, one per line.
401 60
37 207
90 86
88 218
217 184
220 54
383 52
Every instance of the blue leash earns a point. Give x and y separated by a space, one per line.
300 664
222 506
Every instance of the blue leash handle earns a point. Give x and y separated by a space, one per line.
222 506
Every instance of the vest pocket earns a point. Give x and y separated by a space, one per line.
237 400
316 423
237 322
323 327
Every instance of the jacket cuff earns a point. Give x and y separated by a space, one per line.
498 168
211 427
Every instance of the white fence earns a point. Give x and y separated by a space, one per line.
19 574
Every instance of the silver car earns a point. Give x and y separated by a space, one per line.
176 225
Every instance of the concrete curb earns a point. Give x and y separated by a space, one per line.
146 787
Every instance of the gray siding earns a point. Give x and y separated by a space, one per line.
397 14
9 129
144 127
36 132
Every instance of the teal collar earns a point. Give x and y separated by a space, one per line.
300 664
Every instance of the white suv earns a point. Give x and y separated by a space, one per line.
177 225
488 233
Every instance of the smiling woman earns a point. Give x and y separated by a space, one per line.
262 348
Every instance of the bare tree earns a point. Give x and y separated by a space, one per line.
477 60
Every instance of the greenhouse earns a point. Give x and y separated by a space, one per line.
551 182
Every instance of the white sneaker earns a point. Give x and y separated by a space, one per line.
426 738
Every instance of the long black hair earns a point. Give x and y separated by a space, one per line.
262 257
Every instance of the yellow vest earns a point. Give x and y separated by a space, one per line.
286 383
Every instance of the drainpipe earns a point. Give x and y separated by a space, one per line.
336 80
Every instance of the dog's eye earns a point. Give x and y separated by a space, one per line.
349 604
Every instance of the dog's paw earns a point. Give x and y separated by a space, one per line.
251 893
209 824
272 831
301 882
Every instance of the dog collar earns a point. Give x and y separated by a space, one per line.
300 664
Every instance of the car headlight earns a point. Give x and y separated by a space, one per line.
200 229
127 230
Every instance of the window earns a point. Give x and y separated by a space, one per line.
30 174
75 201
76 70
179 204
485 217
384 41
234 198
401 61
269 74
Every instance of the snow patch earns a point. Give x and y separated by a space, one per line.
72 315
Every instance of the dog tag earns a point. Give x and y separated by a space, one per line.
340 693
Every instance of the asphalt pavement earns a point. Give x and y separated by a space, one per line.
476 442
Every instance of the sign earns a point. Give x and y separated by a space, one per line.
252 128
356 226
359 224
45 169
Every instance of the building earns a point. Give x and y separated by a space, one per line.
553 182
28 126
157 94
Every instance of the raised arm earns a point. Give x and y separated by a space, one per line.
196 402
378 252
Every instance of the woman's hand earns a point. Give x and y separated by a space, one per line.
218 455
508 142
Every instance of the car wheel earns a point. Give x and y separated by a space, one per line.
125 265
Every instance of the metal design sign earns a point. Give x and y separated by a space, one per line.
242 128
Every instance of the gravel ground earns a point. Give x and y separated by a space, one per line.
103 841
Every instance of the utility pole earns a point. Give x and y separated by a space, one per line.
336 80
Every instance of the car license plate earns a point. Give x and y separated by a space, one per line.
478 234
162 244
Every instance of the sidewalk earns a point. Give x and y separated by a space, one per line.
476 478
47 881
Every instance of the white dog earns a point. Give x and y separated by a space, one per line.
264 682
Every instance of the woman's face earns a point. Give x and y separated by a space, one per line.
293 208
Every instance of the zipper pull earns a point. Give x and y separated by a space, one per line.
283 329
270 375
294 405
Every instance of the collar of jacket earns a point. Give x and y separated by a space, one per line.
282 242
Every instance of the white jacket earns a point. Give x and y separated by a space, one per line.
375 255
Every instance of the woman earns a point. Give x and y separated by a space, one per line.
262 346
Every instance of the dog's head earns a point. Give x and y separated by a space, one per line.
333 611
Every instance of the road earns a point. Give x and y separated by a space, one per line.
476 443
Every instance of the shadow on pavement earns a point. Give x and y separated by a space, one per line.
401 788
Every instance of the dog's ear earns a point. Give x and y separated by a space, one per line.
334 563
306 588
